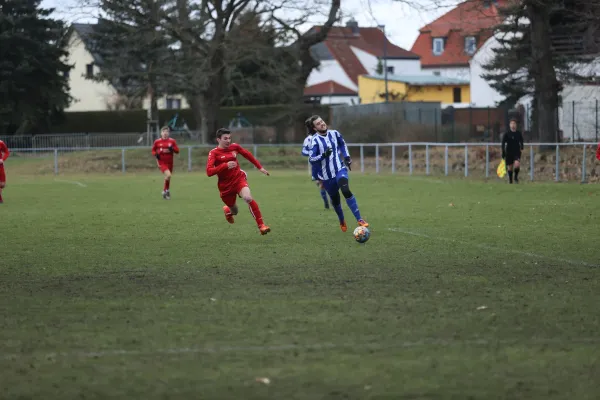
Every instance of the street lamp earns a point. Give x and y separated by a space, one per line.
385 68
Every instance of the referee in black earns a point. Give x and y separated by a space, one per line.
512 145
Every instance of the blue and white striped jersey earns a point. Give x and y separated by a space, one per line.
307 145
327 168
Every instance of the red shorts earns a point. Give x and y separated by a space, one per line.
2 174
230 194
164 166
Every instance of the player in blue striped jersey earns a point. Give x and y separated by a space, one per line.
325 154
306 152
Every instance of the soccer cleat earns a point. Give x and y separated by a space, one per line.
228 214
362 222
264 229
343 226
168 196
164 194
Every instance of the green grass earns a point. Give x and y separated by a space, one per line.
466 290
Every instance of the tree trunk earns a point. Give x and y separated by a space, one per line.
544 75
205 109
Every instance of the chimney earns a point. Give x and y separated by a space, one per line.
353 25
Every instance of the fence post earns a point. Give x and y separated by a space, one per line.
446 160
557 164
436 124
393 159
190 159
410 163
573 122
376 158
123 160
596 120
427 159
362 158
466 160
531 163
487 160
583 166
55 161
255 151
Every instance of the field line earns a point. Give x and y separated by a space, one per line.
493 248
287 347
71 182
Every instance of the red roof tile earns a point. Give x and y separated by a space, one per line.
470 18
371 40
328 88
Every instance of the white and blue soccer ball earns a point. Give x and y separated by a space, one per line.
362 234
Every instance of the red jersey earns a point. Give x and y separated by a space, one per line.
161 147
217 164
4 153
598 152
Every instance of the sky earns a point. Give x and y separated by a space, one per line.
402 21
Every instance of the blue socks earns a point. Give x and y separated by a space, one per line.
324 196
353 207
339 212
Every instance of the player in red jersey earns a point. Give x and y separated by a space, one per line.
233 181
163 149
4 153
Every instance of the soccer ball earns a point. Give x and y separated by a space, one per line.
362 234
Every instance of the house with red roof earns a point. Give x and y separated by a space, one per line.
351 51
447 44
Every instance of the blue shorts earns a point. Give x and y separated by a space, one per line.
331 185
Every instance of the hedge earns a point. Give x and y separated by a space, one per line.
135 120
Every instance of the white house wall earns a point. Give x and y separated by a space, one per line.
87 95
406 67
449 72
401 67
330 70
369 61
161 102
482 94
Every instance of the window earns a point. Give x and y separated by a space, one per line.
89 70
173 103
390 70
456 95
438 46
470 45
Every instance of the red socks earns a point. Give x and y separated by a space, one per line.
255 211
167 184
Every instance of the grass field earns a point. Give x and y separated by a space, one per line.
466 290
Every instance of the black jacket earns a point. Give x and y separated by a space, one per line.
512 143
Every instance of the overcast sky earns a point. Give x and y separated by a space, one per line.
402 22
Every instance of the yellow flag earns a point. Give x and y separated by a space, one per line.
501 170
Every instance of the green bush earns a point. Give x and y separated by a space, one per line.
135 120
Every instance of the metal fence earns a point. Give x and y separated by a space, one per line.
578 121
539 161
